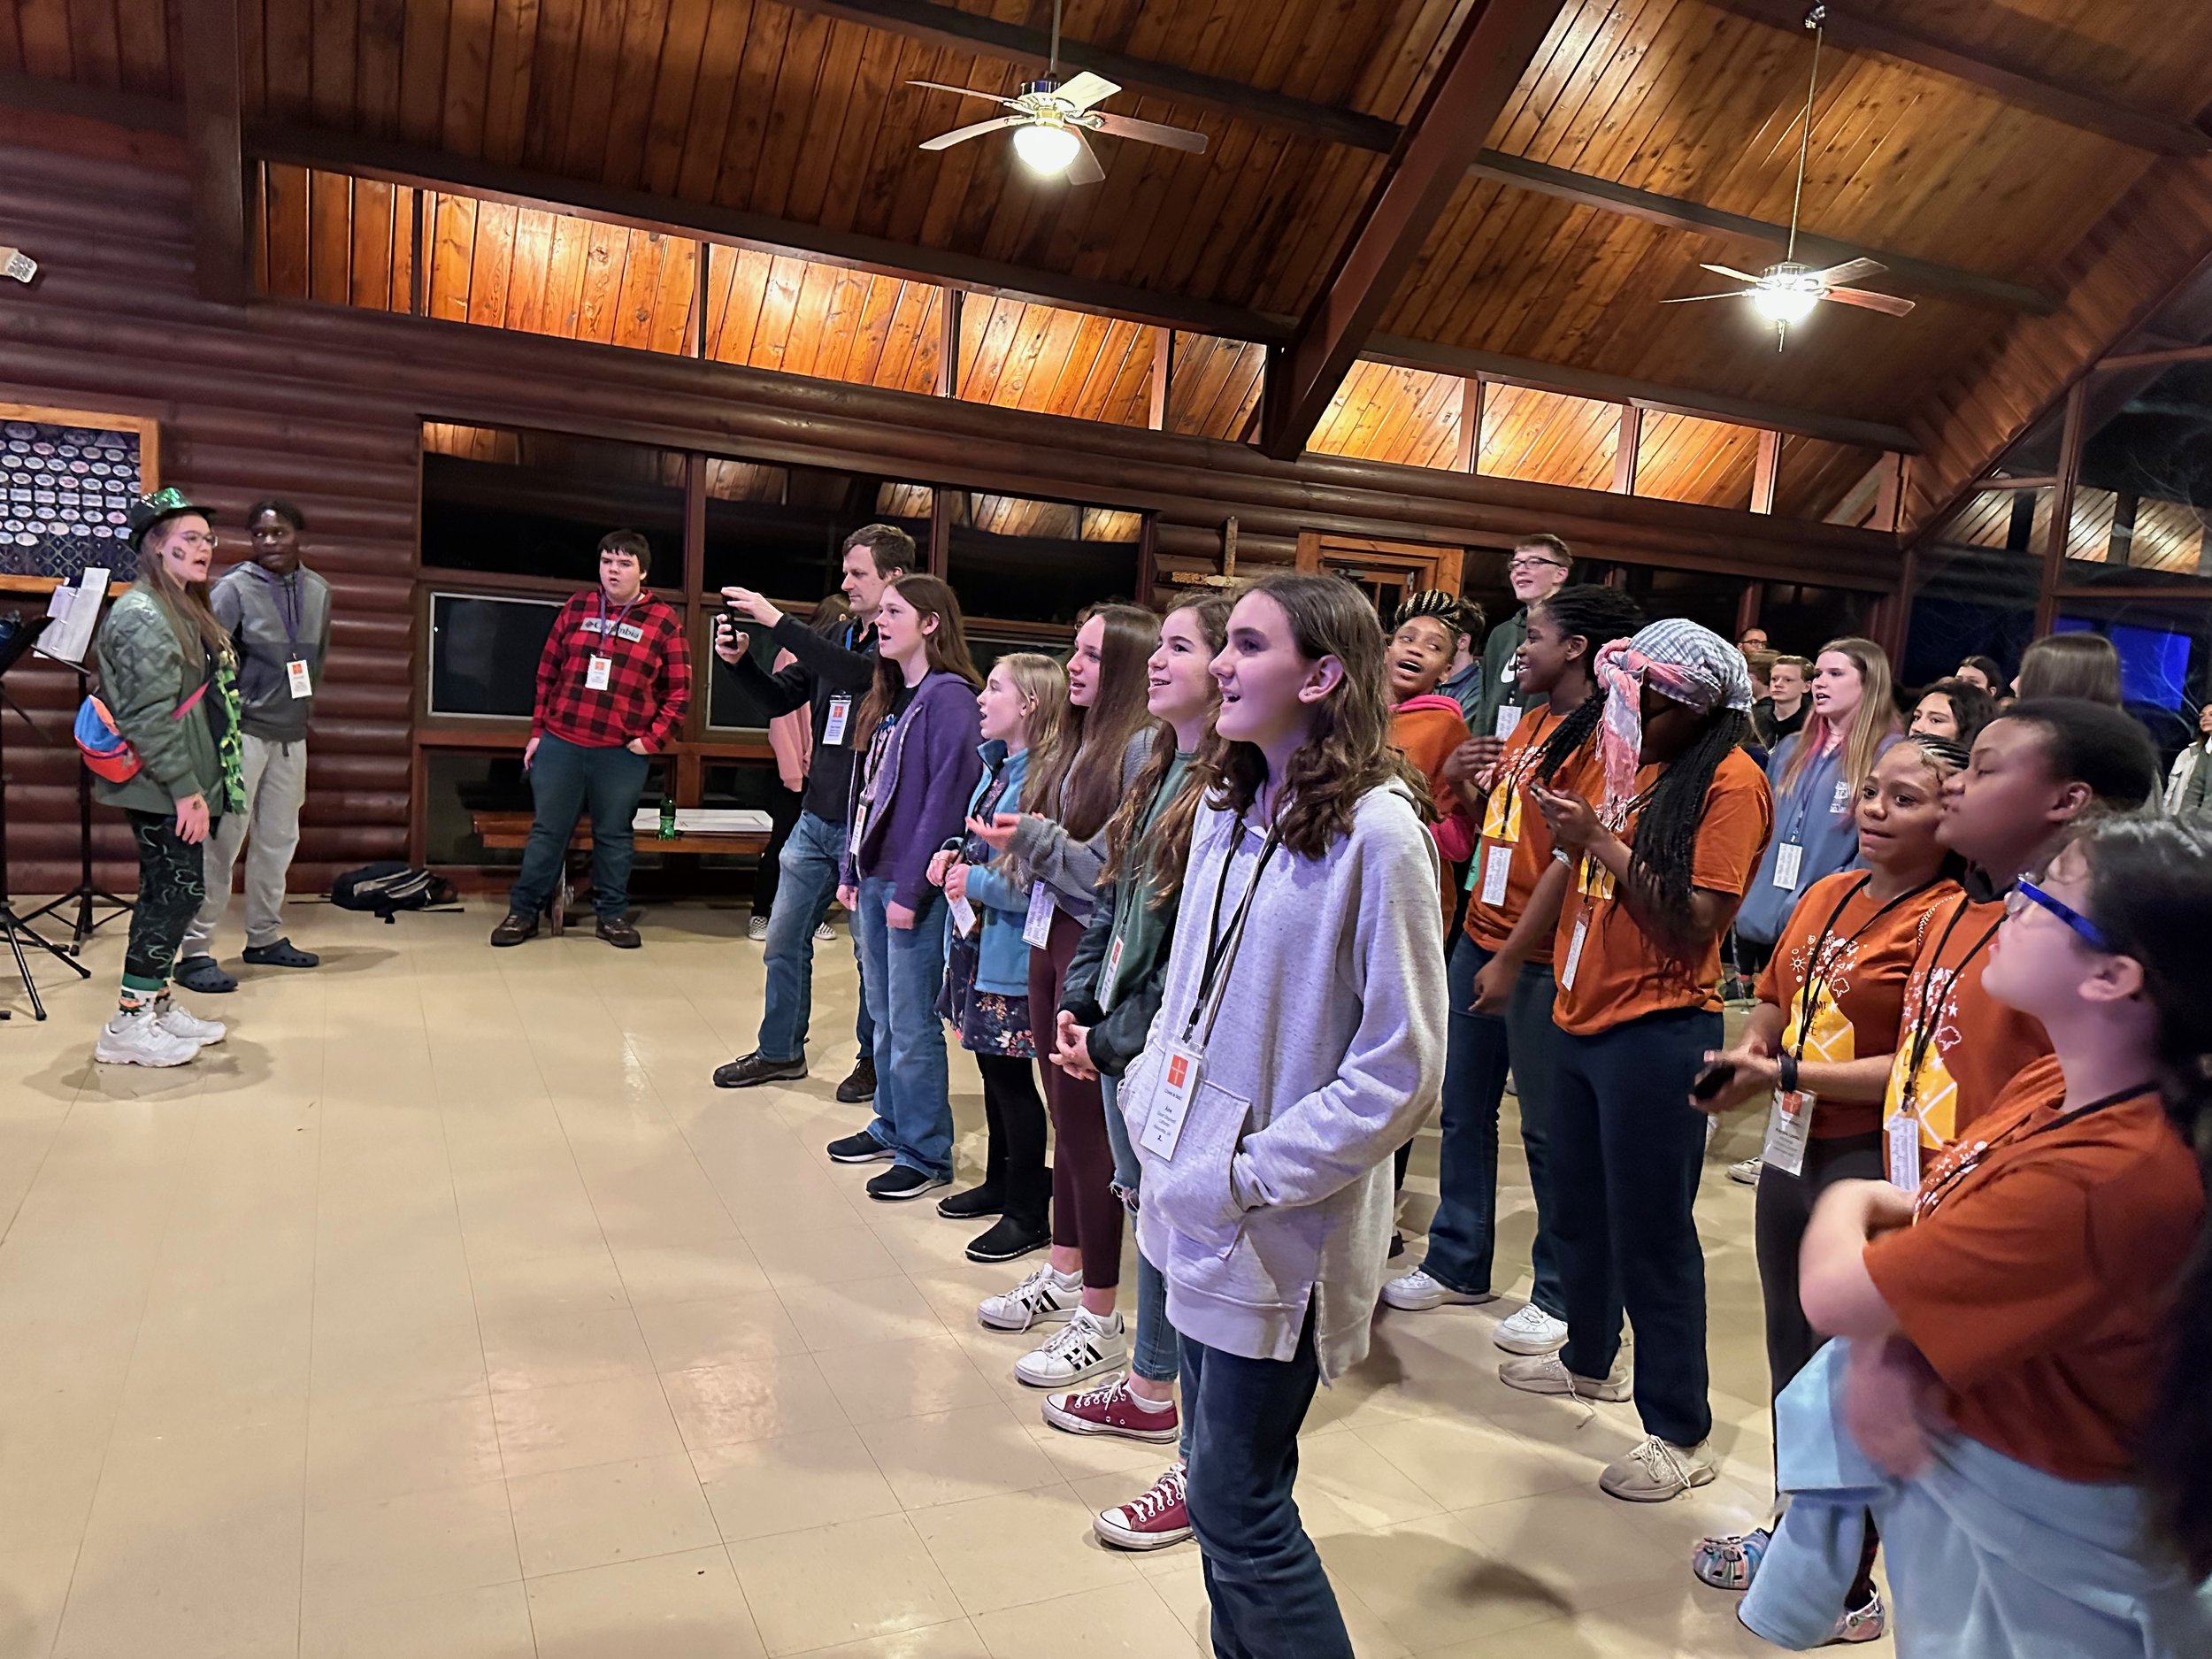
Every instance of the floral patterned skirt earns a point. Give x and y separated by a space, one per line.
986 1022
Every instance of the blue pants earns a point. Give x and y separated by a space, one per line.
1627 1149
902 970
806 880
566 780
1153 1355
1462 1237
1271 1594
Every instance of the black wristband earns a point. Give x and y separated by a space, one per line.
1789 1073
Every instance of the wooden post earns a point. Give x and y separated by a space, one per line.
213 80
1763 475
1747 606
1470 458
697 603
1889 498
1148 558
1624 449
1162 376
417 273
698 342
941 526
2070 438
948 343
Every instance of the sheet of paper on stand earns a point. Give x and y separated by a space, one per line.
75 609
706 820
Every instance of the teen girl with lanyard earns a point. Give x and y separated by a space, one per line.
1500 972
2021 1397
918 733
1265 1132
1817 1052
1113 990
986 968
1658 877
1059 840
2036 771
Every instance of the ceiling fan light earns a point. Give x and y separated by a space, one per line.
1792 305
1045 148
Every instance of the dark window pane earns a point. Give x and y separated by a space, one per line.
484 653
781 530
1019 560
1799 620
532 504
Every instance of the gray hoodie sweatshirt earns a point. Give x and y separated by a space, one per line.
272 620
1328 1050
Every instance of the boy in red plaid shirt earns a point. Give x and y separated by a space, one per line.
612 686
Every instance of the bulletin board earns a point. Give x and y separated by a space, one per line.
67 478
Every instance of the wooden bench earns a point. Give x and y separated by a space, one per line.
511 831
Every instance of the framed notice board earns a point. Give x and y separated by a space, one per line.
67 477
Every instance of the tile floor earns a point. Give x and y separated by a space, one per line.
446 1311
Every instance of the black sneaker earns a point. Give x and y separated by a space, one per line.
859 1087
283 953
516 928
899 1182
201 975
979 1200
748 1071
861 1149
1009 1238
1397 1245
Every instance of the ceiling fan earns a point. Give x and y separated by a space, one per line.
1051 119
1787 292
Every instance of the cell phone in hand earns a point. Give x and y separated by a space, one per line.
1707 1084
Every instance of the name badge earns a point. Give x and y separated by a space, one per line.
1574 954
598 673
1904 1152
1037 926
1789 859
1497 864
296 675
1171 1102
1113 967
1788 1127
962 915
841 714
1509 717
1842 802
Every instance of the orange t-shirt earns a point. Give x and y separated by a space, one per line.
1515 832
1967 1044
1858 990
2039 1285
1425 730
1618 974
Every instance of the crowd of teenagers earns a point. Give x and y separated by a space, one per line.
1229 903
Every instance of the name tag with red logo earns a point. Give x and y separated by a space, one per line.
598 673
1171 1102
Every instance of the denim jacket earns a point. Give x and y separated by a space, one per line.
1002 906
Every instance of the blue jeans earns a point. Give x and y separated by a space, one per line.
1271 1594
806 880
567 779
1463 1236
1153 1355
1627 1149
902 970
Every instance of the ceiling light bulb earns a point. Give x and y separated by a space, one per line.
1792 305
1046 148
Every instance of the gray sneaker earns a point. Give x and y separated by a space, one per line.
1547 1374
1657 1470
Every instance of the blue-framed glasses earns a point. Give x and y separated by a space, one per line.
2026 892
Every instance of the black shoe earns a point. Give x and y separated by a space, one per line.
199 973
1397 1245
748 1071
977 1201
515 929
1009 1238
617 931
861 1149
283 953
860 1087
899 1182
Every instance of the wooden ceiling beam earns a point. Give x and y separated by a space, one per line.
1457 108
2090 112
2161 359
208 65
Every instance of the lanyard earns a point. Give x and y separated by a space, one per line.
1524 763
610 630
1804 795
1922 1027
1820 971
1960 1160
1221 947
290 614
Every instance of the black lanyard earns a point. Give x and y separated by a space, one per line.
290 615
1221 944
1961 1160
1923 1029
612 630
1820 971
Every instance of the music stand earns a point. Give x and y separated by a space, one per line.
15 643
85 894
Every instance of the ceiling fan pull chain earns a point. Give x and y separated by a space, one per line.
1813 20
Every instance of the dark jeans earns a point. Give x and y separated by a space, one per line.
1014 1149
783 813
806 881
1785 1207
566 780
1086 1214
1271 1594
172 885
1627 1149
1462 1237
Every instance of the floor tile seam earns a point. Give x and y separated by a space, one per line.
1567 1477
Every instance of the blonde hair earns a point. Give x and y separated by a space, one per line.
1042 683
1875 720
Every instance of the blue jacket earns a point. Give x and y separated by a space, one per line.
1001 967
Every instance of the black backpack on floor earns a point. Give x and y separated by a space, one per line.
390 887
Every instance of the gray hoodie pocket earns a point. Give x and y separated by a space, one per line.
1191 1191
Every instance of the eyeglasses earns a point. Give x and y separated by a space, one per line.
2026 893
198 539
1534 562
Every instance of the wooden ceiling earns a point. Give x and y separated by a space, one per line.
1643 137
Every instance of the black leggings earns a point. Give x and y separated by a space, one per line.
783 818
171 888
1014 1157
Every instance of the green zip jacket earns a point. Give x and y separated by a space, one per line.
143 679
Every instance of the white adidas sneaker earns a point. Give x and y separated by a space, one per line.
1088 1344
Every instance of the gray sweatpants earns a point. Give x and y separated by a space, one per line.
276 783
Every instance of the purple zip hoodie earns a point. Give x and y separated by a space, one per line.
929 772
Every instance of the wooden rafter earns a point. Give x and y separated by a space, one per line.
2093 112
1483 66
208 64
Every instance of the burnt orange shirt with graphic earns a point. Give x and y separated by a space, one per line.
1514 831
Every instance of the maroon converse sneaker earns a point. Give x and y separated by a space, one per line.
1111 1410
1152 1521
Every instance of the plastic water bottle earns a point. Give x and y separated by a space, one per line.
668 817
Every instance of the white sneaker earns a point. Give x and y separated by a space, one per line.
1656 1471
824 933
136 1038
756 929
1088 1344
1531 1330
1547 1374
1746 1174
172 1017
1042 1298
1416 1292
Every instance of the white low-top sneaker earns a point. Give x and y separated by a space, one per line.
1655 1470
1417 1292
136 1038
1547 1374
1088 1344
172 1017
1531 1330
1042 1298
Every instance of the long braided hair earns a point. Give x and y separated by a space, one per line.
1596 615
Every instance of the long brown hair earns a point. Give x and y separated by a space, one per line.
191 619
2084 665
1166 847
1077 781
1875 720
1347 752
945 650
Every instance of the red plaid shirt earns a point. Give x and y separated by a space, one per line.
648 679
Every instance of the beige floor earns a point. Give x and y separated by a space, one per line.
446 1310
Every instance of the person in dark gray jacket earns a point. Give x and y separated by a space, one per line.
278 611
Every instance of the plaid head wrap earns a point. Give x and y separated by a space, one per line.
1681 661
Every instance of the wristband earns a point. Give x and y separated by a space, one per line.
1789 1073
